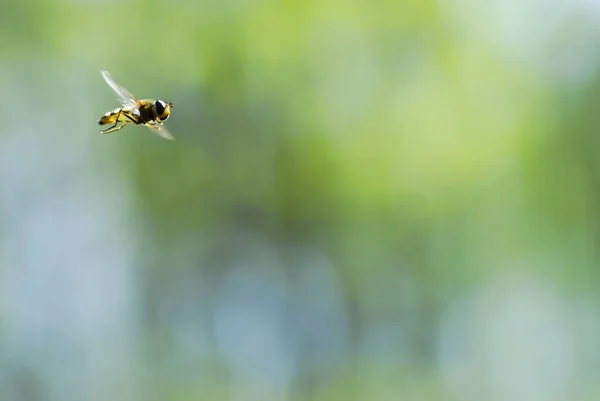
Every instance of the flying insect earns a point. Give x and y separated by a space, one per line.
149 112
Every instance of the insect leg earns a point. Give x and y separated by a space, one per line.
153 122
152 125
113 128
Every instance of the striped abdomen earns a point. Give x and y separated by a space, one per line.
119 115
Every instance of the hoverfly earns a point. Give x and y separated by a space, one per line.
149 112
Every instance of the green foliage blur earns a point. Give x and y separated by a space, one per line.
365 201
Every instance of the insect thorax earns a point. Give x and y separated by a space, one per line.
147 110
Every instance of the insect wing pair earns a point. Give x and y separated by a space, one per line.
149 112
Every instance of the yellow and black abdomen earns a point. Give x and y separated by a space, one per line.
118 115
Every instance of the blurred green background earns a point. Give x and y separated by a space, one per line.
393 200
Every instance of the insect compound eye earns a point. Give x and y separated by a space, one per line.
159 106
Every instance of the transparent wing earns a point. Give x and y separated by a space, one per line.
123 95
160 130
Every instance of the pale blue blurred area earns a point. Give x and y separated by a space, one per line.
68 292
364 201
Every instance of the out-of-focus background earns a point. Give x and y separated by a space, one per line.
392 200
